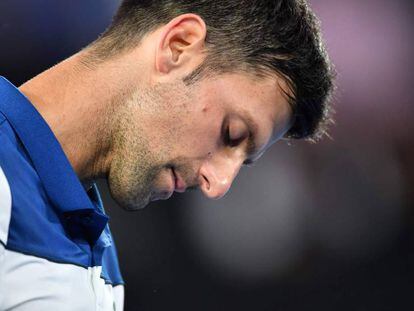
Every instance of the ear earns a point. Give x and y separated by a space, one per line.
181 45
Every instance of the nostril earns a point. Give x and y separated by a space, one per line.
206 182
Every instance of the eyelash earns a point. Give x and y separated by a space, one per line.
227 139
231 143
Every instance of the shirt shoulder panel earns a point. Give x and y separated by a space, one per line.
5 207
5 192
2 118
45 236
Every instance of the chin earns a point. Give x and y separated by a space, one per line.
134 192
135 206
132 204
129 200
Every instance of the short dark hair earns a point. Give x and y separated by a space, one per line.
261 36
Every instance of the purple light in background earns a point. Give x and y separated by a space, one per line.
370 43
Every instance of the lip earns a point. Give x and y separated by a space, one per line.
167 193
179 183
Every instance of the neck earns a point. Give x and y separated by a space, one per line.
76 102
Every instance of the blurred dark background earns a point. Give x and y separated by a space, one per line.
325 226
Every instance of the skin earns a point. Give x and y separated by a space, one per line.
132 119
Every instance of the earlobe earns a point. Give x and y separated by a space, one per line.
181 43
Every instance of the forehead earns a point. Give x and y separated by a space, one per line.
267 89
253 96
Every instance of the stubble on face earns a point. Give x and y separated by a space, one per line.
143 120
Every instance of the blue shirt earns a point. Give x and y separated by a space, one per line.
51 216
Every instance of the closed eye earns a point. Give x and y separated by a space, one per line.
234 137
230 141
236 133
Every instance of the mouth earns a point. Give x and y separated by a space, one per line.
176 184
179 184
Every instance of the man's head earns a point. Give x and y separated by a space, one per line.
220 81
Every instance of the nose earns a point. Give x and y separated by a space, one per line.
217 175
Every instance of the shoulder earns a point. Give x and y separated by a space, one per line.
9 145
5 207
7 134
7 159
6 146
2 118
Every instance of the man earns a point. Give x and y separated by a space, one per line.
174 95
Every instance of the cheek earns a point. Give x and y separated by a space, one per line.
200 137
185 133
